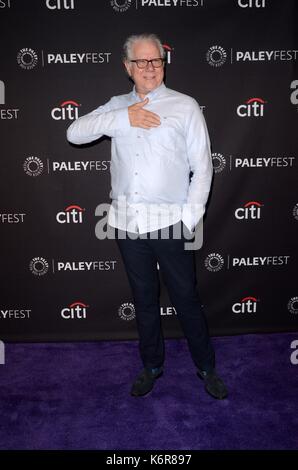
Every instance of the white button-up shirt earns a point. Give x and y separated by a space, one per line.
151 168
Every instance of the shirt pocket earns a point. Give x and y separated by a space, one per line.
162 141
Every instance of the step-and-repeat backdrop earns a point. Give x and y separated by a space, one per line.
61 59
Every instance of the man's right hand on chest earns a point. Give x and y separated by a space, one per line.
140 117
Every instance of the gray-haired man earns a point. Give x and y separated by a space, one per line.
159 137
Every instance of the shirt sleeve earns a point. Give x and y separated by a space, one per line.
200 161
105 120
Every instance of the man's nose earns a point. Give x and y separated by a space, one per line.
150 66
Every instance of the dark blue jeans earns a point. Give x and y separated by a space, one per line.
177 267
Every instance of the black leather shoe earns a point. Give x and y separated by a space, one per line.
144 383
213 384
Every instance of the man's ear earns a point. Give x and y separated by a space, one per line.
127 66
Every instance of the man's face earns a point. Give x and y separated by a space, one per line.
149 78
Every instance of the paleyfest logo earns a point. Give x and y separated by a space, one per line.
39 266
295 211
27 58
33 166
293 305
121 5
219 162
214 262
216 56
127 311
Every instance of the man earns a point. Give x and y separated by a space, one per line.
159 138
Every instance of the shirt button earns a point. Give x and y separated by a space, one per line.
136 173
139 136
137 154
136 192
137 212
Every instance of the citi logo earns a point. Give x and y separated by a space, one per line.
67 110
168 51
246 305
252 3
254 107
71 215
251 210
6 113
76 311
4 3
2 92
60 4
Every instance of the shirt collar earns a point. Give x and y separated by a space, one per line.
152 94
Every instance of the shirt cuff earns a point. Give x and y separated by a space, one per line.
192 214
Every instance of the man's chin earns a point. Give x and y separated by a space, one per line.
150 86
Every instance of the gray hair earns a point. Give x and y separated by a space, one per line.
131 40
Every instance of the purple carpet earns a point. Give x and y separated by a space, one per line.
76 396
